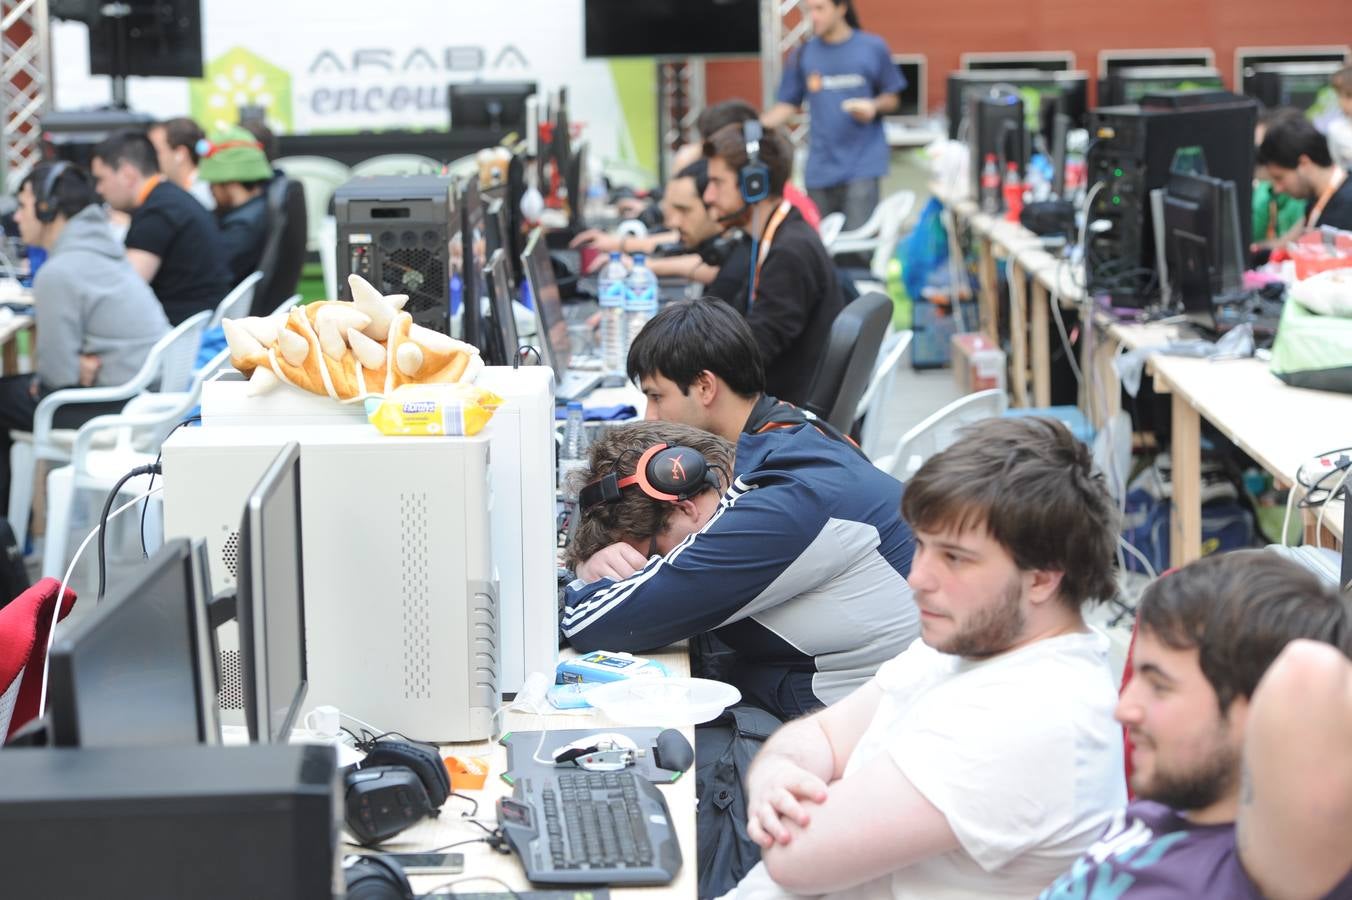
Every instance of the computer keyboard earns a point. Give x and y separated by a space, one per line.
576 827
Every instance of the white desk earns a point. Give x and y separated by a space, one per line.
480 859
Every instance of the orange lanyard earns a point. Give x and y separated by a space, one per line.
1339 176
150 185
776 219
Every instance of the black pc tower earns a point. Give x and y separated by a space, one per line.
1131 153
998 129
395 231
167 823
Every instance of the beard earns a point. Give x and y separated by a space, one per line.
1196 788
991 630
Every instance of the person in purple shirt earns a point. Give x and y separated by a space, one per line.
1239 717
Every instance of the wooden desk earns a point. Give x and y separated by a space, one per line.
480 859
10 329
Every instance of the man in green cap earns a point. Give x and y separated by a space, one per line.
232 161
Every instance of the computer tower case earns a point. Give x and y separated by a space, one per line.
395 231
166 823
1131 151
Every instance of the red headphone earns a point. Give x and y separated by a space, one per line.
664 473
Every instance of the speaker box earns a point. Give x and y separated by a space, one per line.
395 231
165 823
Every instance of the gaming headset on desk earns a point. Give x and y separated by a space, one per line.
398 784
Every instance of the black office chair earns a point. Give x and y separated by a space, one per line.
847 364
284 250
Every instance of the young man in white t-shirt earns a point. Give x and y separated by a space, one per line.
982 760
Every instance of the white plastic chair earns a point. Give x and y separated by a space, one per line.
321 176
168 368
287 304
830 229
237 303
328 255
397 164
877 397
940 431
879 235
105 449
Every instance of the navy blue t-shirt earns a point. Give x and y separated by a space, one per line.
824 75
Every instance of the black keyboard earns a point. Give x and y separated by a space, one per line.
575 827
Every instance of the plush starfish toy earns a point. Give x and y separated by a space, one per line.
347 351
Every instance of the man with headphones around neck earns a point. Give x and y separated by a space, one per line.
791 288
88 302
789 548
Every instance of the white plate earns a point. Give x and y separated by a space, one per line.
663 701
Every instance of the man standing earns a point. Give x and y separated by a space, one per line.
172 242
95 318
793 295
1239 713
848 81
176 142
238 172
983 759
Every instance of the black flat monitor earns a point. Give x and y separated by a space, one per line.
1110 61
998 129
551 328
1032 86
495 225
913 69
140 669
495 106
1203 254
270 601
1248 58
502 344
671 28
1303 85
473 247
1041 60
159 38
1131 84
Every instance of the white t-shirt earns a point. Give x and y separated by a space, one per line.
1340 142
1020 752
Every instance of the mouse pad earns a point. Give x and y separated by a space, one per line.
521 752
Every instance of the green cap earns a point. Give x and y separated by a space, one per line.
232 154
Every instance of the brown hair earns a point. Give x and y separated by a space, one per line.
729 144
1239 610
1342 81
182 132
1030 483
635 514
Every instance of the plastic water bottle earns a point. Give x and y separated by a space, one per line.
990 186
573 453
640 299
611 289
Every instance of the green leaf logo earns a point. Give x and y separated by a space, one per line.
238 78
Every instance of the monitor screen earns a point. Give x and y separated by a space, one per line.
503 341
1042 61
495 221
550 326
1111 60
139 670
1032 86
270 601
499 107
1303 85
672 28
472 257
1133 84
1247 58
161 39
911 67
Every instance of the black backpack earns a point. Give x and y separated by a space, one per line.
723 752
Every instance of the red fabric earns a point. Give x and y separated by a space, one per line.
803 203
24 625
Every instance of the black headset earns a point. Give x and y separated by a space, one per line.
665 473
754 178
45 207
373 877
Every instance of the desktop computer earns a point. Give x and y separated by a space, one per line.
400 609
1131 153
395 231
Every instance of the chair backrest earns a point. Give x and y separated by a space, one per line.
238 302
284 249
896 209
175 354
830 229
847 362
877 399
322 177
327 236
397 164
287 304
939 431
24 624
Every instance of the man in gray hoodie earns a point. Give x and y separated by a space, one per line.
96 319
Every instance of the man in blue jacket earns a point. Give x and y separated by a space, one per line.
791 551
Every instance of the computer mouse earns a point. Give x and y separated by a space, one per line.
606 751
671 751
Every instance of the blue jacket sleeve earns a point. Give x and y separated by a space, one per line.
718 575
